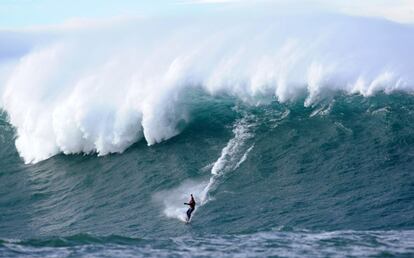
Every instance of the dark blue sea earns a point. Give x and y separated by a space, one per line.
294 134
332 180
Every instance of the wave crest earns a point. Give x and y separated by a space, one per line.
104 89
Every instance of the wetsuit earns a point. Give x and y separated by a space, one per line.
192 205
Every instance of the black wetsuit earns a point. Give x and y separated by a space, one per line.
192 205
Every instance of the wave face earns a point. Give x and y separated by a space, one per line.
103 88
329 180
294 133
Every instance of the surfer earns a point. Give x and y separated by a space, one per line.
192 205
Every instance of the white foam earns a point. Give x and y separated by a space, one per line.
101 89
173 200
232 156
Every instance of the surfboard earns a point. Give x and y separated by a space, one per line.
187 221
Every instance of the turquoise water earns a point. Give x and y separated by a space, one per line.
331 180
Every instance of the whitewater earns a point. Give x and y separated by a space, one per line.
232 156
102 88
293 132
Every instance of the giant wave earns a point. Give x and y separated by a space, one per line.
101 88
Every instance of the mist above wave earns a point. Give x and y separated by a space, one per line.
99 89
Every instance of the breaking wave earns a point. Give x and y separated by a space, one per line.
101 89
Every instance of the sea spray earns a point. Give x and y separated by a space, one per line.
99 89
232 156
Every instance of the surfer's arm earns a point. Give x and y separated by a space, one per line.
186 203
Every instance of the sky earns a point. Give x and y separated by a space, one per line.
16 14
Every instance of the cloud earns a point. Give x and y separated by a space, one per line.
395 10
77 24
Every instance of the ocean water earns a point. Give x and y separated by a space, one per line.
295 142
279 180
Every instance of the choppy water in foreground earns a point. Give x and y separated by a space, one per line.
335 179
278 243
